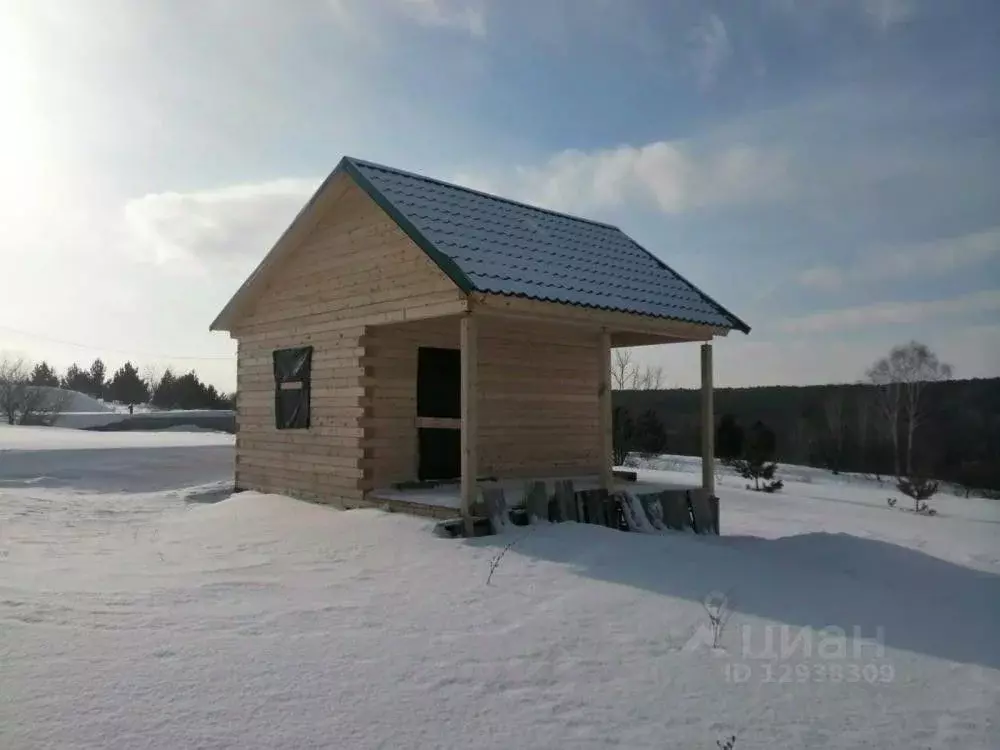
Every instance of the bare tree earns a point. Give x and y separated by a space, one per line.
151 376
900 379
22 402
628 375
622 369
649 378
14 378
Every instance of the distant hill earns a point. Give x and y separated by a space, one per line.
839 427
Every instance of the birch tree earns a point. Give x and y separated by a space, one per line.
900 379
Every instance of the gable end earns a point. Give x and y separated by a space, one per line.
446 264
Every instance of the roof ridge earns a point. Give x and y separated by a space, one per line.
416 175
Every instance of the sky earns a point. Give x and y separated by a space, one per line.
829 170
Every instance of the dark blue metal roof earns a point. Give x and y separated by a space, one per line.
493 245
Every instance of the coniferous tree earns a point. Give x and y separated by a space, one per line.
650 435
758 461
190 391
728 439
165 395
76 379
98 376
43 374
127 387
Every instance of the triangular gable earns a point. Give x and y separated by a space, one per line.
331 189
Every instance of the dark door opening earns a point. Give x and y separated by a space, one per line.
440 453
439 396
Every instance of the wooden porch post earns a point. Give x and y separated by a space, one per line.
470 421
707 422
604 415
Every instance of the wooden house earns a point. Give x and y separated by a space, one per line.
406 329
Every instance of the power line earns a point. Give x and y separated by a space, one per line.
127 352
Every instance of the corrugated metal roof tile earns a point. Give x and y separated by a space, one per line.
504 247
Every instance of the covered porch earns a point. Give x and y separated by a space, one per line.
510 391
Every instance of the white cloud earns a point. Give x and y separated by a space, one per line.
888 313
227 224
711 49
670 176
939 256
823 278
463 15
880 14
932 258
887 13
467 16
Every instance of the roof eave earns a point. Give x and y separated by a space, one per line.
737 323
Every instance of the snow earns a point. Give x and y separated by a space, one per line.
88 420
61 439
37 457
141 618
80 411
74 401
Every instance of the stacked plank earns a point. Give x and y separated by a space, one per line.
657 512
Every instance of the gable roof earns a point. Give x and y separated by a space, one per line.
489 244
494 245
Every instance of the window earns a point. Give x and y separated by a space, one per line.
292 369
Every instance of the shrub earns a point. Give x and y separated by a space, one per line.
917 488
758 459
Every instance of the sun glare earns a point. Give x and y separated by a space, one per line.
23 157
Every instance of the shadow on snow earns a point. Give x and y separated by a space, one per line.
921 603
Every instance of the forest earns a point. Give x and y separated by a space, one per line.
839 427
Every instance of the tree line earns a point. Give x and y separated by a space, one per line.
25 396
907 419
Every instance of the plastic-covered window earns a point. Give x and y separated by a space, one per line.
292 371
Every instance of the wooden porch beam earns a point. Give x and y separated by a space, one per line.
628 339
707 421
470 418
556 313
605 416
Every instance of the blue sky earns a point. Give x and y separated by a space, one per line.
828 169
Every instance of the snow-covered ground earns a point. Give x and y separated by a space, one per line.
137 618
80 461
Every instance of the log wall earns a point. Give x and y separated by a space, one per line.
356 268
538 398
